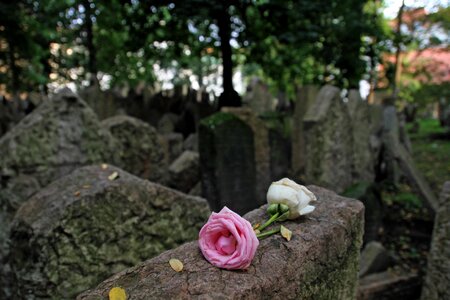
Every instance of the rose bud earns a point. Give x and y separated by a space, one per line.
296 197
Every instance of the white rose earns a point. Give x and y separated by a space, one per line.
292 194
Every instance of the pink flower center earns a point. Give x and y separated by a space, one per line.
226 245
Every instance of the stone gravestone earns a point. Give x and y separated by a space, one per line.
437 281
363 166
305 97
329 141
62 134
258 97
185 171
319 262
227 163
397 160
93 223
261 147
138 147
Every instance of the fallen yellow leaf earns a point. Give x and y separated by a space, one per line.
113 176
286 233
176 264
117 293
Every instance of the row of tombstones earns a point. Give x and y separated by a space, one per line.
240 155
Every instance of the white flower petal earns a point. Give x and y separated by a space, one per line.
306 210
283 195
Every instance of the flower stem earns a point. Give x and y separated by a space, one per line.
268 233
270 221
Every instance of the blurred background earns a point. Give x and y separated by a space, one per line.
352 95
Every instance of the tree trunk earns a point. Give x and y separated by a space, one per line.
398 56
92 61
229 96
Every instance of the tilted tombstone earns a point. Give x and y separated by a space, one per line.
437 280
139 148
227 163
184 172
261 147
329 141
398 162
306 95
363 166
63 133
91 224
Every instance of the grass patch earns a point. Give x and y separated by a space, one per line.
431 152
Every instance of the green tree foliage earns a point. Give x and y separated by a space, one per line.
287 42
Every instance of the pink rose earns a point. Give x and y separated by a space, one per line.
228 241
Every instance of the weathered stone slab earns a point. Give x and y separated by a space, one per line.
261 147
415 178
320 262
87 226
63 133
306 95
374 258
59 136
437 281
329 141
363 166
389 285
138 148
185 171
227 163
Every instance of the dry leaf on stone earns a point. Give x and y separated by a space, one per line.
113 176
117 293
77 193
104 166
176 264
286 233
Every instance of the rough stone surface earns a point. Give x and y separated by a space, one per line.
328 140
85 227
227 163
261 147
320 262
363 166
138 147
305 98
374 258
437 281
63 133
185 171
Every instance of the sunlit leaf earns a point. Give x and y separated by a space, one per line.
176 264
117 293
